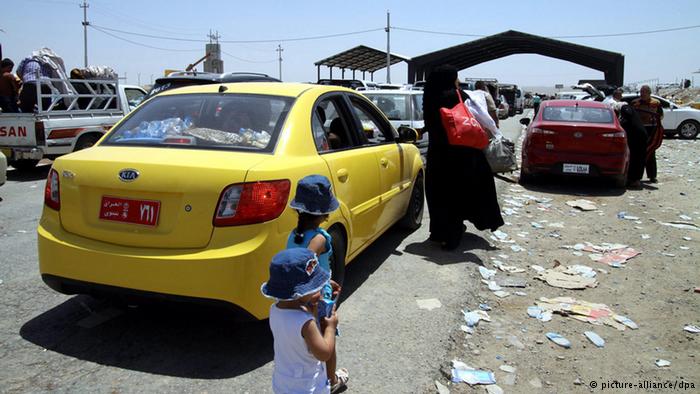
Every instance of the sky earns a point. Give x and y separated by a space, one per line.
668 56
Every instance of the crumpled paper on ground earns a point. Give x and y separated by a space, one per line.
566 278
598 314
584 205
614 255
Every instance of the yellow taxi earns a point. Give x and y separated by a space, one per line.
188 196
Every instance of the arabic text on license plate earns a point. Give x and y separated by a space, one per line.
127 210
576 168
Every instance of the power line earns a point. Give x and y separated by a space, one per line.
248 60
437 32
632 33
137 23
242 41
140 44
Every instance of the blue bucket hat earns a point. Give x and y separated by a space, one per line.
314 196
294 273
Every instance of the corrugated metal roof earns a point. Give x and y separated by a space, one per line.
361 58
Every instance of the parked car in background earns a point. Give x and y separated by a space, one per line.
67 123
571 95
3 169
514 97
684 121
188 78
188 197
571 137
502 109
402 108
354 84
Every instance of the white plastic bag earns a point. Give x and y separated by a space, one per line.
501 155
477 106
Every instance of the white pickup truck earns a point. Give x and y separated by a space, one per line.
65 122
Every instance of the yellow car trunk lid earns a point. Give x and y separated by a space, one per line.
147 197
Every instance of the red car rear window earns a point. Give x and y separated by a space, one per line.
577 114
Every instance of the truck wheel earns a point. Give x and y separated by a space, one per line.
86 141
337 259
23 164
688 129
413 218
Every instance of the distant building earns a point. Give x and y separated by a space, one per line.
213 63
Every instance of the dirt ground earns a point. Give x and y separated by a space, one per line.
655 289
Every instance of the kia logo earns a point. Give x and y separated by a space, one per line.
128 175
578 134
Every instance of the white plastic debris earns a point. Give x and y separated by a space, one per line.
473 317
582 204
486 273
558 339
662 363
429 304
507 368
692 329
594 338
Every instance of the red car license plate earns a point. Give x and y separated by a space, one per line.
127 210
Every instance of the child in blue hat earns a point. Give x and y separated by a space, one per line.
300 345
314 201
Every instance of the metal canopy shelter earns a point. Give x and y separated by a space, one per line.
360 58
513 42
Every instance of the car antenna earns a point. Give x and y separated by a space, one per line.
222 88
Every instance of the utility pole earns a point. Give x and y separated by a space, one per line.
388 54
85 6
138 76
279 51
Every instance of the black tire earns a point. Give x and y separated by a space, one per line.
23 164
86 141
337 259
688 130
413 218
620 181
524 178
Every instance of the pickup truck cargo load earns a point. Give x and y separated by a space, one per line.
65 122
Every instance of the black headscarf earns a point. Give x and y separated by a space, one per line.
440 83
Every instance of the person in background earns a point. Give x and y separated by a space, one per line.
651 113
490 103
29 70
536 100
300 344
459 182
9 87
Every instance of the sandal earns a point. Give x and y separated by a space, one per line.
342 378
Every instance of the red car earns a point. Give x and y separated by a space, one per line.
573 137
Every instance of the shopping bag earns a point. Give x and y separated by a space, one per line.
500 154
461 127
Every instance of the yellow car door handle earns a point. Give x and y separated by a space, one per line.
342 174
384 162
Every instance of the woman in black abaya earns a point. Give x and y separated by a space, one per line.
459 182
637 142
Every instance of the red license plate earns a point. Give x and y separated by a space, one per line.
127 210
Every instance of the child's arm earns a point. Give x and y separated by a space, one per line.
318 244
321 345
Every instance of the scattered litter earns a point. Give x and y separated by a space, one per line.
539 314
684 248
467 329
429 304
507 368
614 255
494 389
585 311
464 373
507 268
486 273
537 268
681 225
685 217
594 338
692 329
556 225
441 388
484 307
624 215
558 339
582 270
520 293
501 294
516 248
22 231
493 286
567 278
668 254
584 205
662 363
472 318
646 236
536 383
687 239
512 282
578 381
536 225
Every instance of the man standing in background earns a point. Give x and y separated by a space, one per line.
9 87
651 113
490 103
